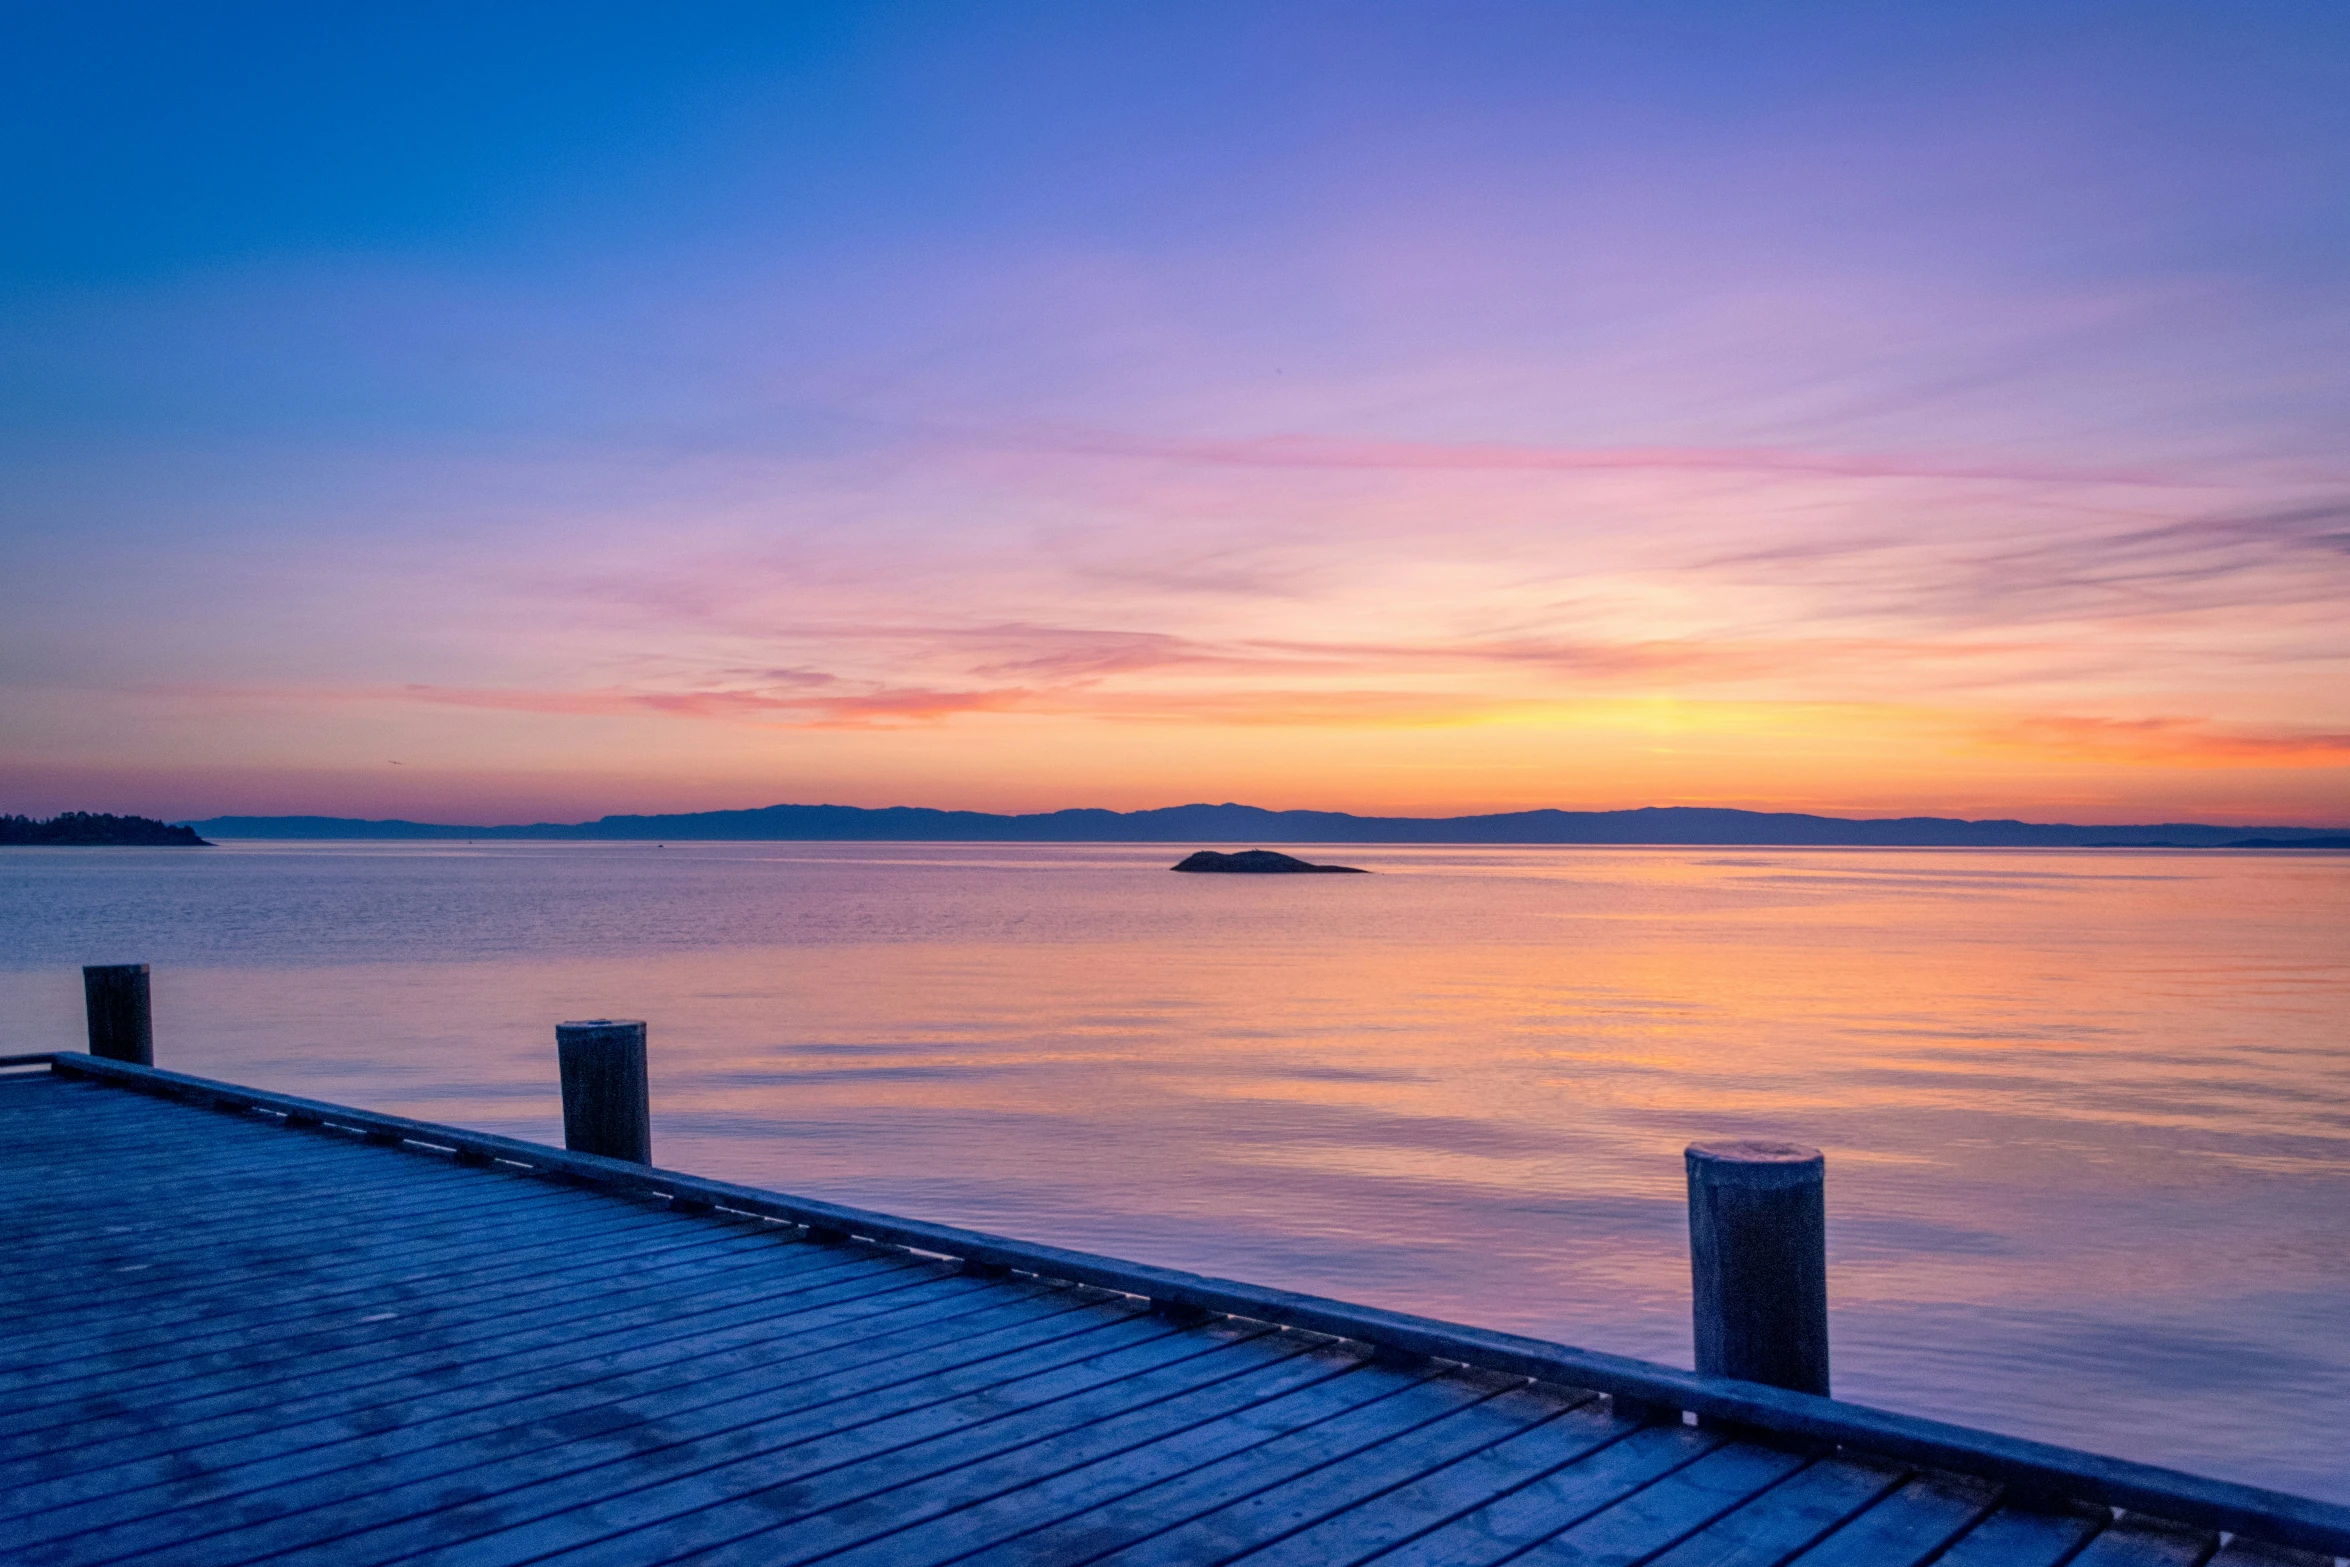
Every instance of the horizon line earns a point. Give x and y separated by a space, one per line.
1234 805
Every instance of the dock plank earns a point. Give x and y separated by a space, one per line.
63 1274
246 1187
652 1312
1580 1425
1792 1515
1410 1399
449 1487
754 1549
153 1315
572 1386
943 1517
2241 1552
582 1490
366 1322
842 1497
431 1341
2148 1542
1278 1511
469 1242
1337 1383
1659 1516
358 1380
1910 1526
1582 1487
2018 1536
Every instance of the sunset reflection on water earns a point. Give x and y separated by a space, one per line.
2087 1114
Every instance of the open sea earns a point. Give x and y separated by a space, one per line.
2086 1113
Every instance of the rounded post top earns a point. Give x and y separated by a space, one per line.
601 1028
1755 1164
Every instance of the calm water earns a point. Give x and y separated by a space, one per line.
2087 1114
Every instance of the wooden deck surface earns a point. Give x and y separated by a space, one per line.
233 1338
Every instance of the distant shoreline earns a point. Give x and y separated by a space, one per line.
2330 845
1662 826
93 830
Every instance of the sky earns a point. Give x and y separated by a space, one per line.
527 412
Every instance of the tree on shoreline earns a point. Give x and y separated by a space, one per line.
74 829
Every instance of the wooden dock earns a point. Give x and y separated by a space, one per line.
243 1327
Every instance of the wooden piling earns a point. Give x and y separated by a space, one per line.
122 1021
607 1104
1758 1259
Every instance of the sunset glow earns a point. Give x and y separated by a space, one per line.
489 420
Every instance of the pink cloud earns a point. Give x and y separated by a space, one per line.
1313 451
866 709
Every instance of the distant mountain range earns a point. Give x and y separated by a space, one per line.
1675 824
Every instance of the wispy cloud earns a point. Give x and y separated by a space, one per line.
796 709
2128 571
1319 451
2190 742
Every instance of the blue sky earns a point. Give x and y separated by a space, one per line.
528 410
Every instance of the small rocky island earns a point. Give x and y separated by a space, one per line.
88 829
1262 862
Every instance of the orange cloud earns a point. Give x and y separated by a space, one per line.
2173 742
2167 742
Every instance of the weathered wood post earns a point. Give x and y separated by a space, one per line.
607 1102
1758 1258
122 1022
